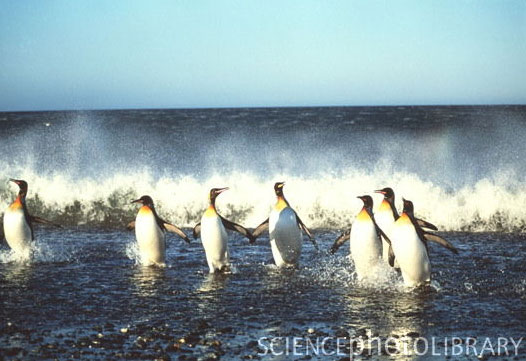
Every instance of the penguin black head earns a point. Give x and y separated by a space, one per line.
367 201
408 206
214 192
22 184
145 200
387 192
278 188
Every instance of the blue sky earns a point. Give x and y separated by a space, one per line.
149 54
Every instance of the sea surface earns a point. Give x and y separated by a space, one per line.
84 295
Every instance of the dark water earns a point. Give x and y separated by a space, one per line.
83 296
82 289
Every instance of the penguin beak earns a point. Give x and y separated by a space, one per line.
221 190
379 191
136 201
14 181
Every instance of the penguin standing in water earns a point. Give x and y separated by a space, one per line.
365 238
409 244
214 237
386 216
18 223
285 231
150 233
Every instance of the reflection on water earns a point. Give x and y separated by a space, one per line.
19 274
97 289
213 282
148 280
388 320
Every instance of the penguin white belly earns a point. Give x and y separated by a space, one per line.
366 248
385 221
285 237
150 239
411 254
17 231
215 243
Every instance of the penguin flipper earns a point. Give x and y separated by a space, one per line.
174 229
197 230
304 228
130 226
441 241
344 237
382 233
260 229
44 221
391 256
425 224
238 228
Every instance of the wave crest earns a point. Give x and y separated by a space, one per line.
326 202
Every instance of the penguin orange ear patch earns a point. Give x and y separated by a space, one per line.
17 204
145 210
210 211
363 216
384 206
404 219
281 204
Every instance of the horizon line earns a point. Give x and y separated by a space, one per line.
265 107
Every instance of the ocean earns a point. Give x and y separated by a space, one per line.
83 294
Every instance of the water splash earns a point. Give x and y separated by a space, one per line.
87 166
40 252
323 202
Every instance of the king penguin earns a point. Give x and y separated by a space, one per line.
150 233
18 223
214 237
285 231
409 244
386 215
365 238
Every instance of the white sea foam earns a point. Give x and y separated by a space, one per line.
328 201
39 252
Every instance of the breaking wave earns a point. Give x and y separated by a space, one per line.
463 167
328 202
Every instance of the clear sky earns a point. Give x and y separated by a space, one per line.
99 54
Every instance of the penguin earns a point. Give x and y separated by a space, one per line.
365 238
387 215
212 229
18 223
150 233
285 231
409 246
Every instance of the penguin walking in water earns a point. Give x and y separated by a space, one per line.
150 233
18 223
386 215
212 229
409 246
285 231
366 240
